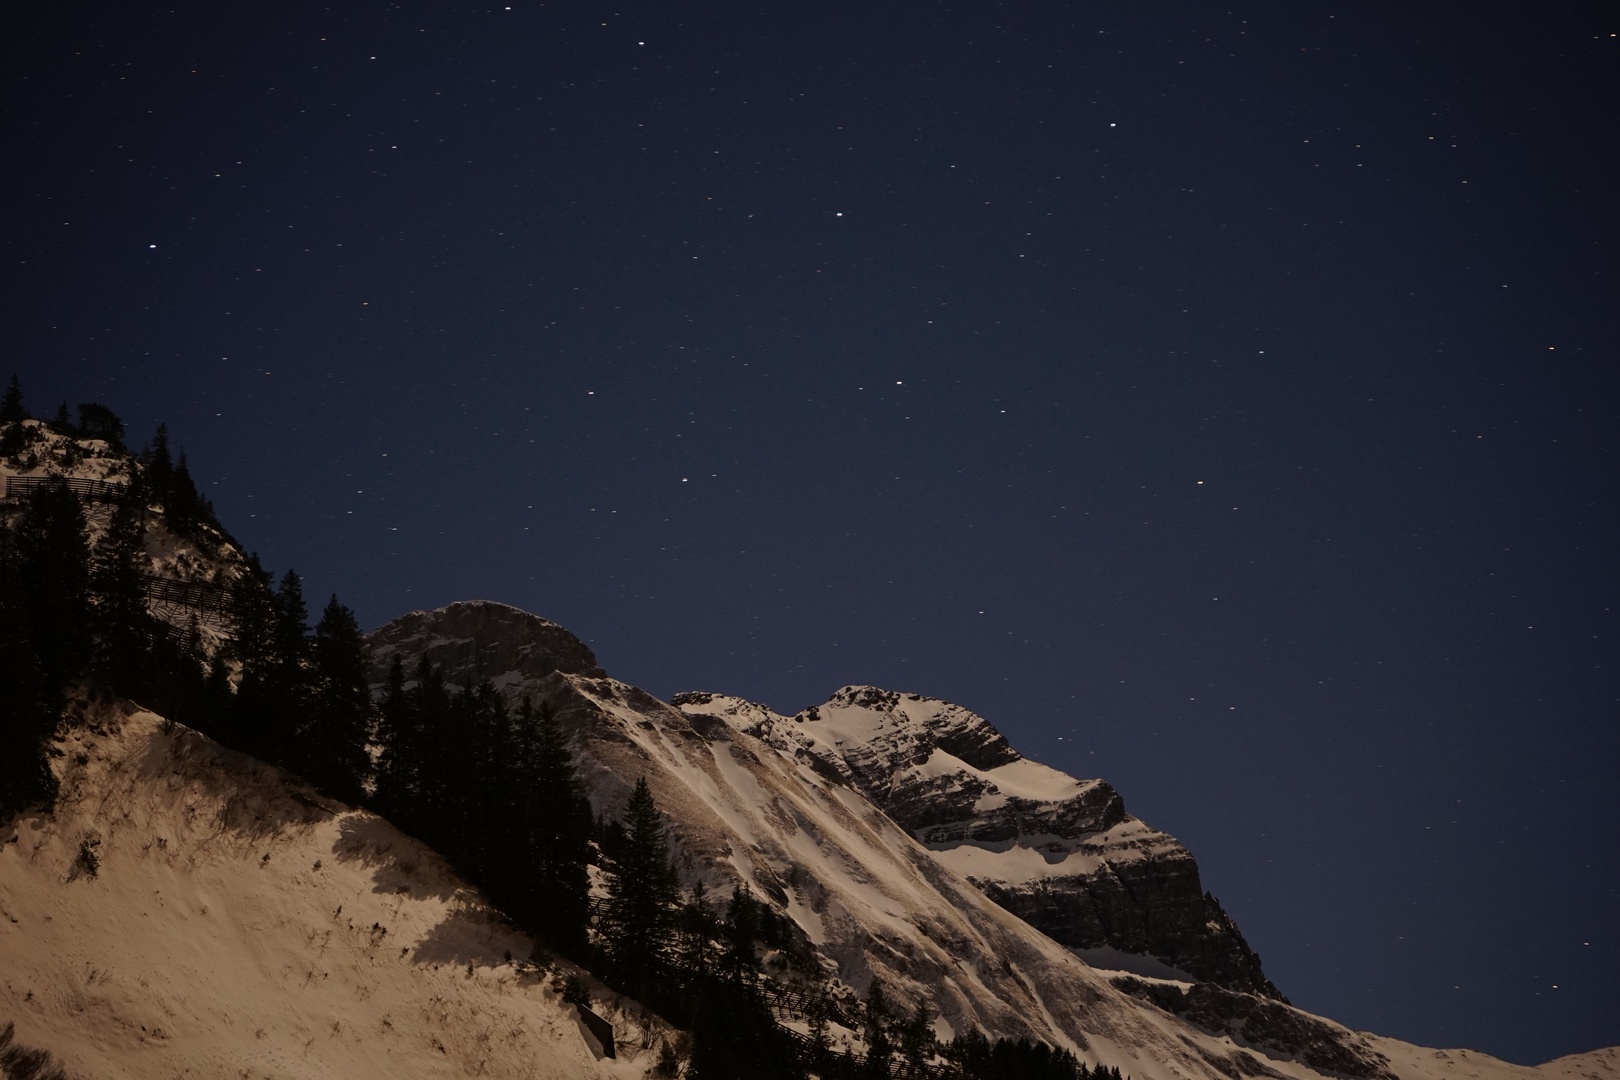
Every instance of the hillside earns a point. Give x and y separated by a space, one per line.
189 911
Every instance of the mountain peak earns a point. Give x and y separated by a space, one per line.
1057 851
481 639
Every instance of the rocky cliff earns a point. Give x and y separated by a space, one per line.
1061 854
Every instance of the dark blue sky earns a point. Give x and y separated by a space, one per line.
1221 402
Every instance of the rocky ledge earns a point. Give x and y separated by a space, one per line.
1264 1024
1060 853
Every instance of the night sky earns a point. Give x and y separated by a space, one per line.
1221 402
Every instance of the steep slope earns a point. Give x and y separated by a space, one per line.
872 899
200 555
1060 853
187 912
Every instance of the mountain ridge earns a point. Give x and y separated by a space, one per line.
1058 852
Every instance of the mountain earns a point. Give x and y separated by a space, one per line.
186 909
902 835
1060 853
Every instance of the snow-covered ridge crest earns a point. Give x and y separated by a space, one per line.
1060 852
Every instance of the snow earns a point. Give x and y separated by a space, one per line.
236 927
1114 961
1012 863
1026 779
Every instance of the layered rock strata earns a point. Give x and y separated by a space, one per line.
1060 853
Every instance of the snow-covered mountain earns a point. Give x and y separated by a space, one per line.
185 910
1060 853
883 824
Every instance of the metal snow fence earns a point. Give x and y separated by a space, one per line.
18 487
211 599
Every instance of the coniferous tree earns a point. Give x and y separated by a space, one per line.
735 1037
436 744
558 819
124 629
28 710
185 508
396 740
159 466
14 439
918 1043
99 422
641 895
471 768
253 647
333 745
53 562
879 1047
62 423
695 953
14 436
12 410
411 728
287 684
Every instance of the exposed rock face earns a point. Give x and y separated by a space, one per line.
477 640
1264 1024
872 901
1060 853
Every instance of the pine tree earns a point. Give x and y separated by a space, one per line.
735 1037
253 647
333 747
62 423
99 422
12 410
878 1045
183 508
412 725
287 681
159 466
469 770
641 895
698 928
559 829
917 1041
396 740
53 560
124 629
28 711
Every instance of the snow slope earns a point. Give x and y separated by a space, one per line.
239 926
1059 852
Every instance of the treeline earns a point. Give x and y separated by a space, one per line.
493 790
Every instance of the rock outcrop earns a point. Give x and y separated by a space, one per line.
1264 1024
480 639
1060 853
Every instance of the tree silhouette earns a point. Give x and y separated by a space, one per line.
641 895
